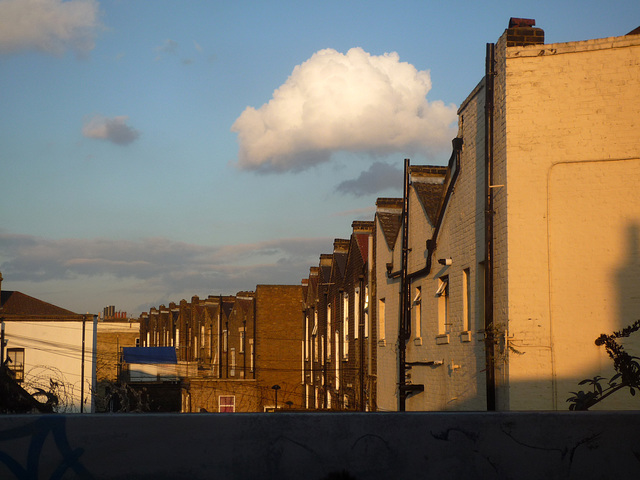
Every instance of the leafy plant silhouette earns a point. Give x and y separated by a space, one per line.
627 372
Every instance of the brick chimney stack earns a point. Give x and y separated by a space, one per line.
522 32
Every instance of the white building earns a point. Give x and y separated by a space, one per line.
50 348
537 247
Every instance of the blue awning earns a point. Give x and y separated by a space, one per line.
149 355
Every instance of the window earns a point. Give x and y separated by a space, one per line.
356 313
466 300
232 372
329 332
242 332
177 337
16 363
443 305
322 350
381 321
226 404
251 354
225 340
345 326
337 363
366 311
417 307
315 335
306 337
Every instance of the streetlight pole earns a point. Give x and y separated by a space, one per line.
276 388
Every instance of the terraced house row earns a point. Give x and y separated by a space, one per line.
486 284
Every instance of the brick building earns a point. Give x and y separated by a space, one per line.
339 345
112 336
531 250
231 350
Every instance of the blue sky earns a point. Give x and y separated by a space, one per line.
152 151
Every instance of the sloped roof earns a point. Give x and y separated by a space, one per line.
340 264
428 181
389 214
361 231
17 303
430 196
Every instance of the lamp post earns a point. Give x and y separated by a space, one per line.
276 388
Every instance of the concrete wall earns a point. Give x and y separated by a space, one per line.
311 446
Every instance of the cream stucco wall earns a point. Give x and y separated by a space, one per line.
458 382
568 119
387 328
53 351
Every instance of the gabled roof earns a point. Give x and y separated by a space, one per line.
428 183
227 307
17 303
389 214
361 232
340 253
326 261
430 196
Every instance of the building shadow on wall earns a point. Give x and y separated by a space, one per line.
628 280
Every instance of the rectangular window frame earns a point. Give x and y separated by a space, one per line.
444 325
226 403
382 321
345 326
466 300
16 363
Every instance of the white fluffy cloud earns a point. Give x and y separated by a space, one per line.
344 102
50 26
114 129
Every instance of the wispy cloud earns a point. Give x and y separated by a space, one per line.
50 26
114 129
344 102
172 48
379 177
161 264
169 47
366 213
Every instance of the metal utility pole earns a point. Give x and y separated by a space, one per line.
84 325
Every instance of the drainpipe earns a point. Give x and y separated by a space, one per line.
253 333
456 167
220 338
361 336
488 271
226 340
405 305
326 346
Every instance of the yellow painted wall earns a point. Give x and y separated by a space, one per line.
571 119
